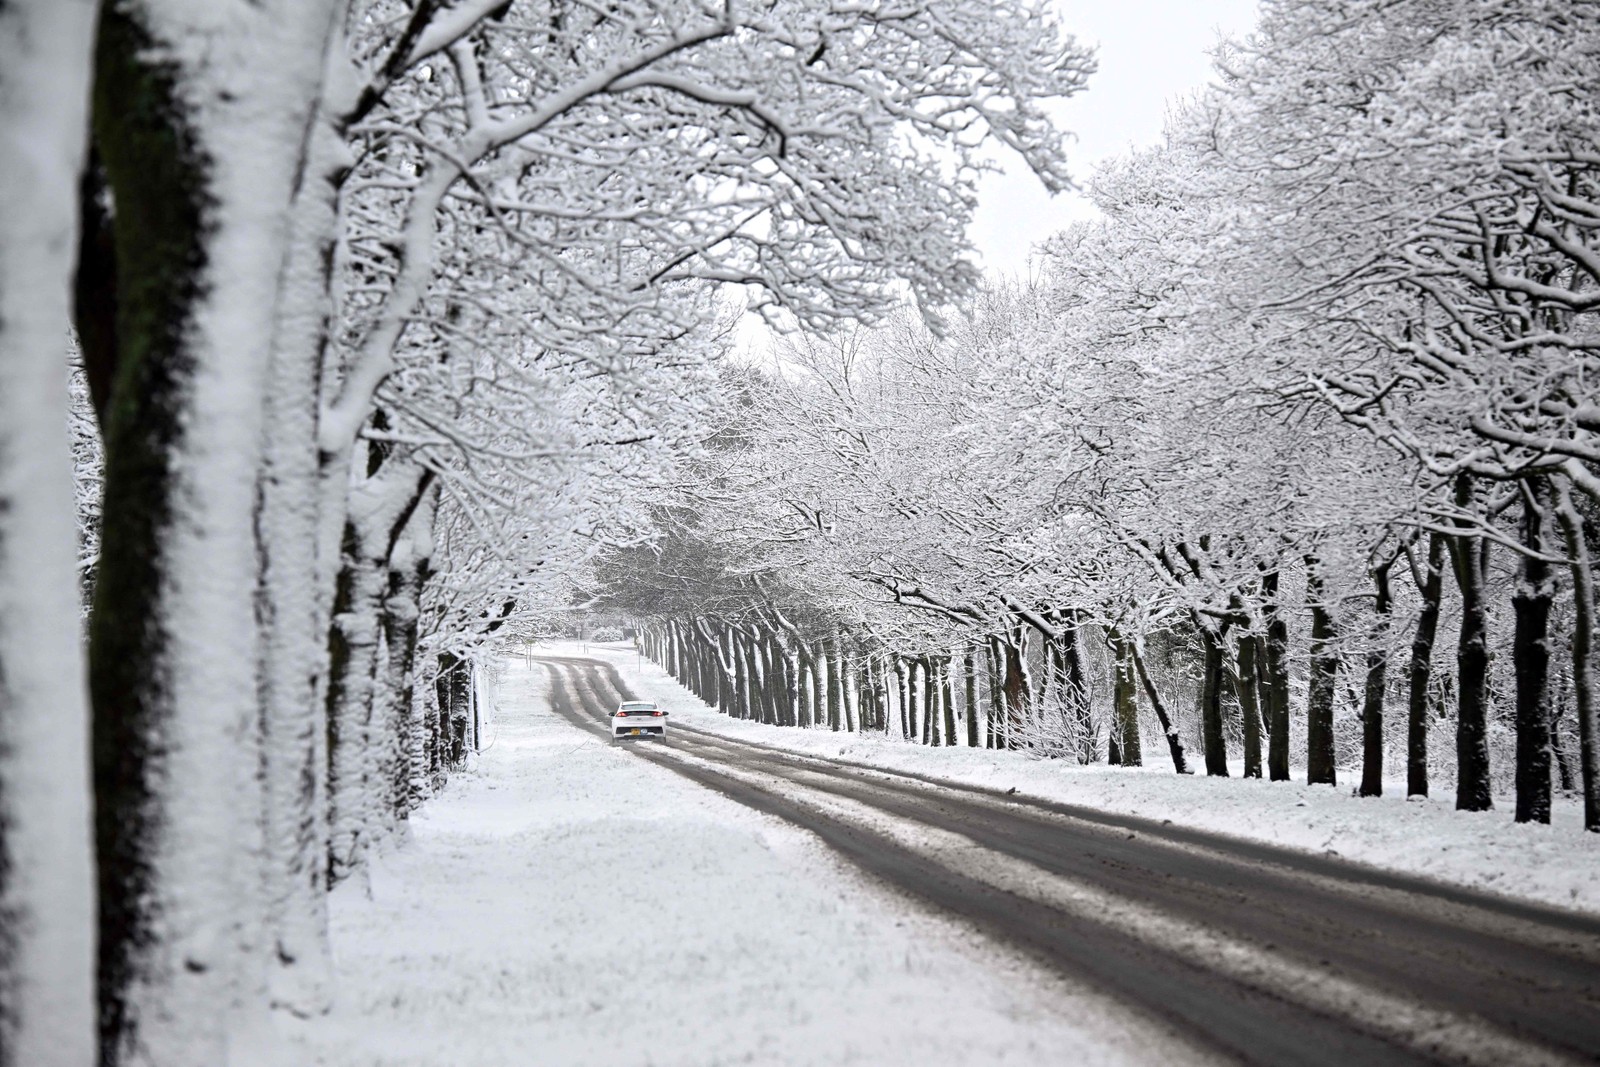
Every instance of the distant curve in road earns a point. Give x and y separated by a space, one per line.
1257 954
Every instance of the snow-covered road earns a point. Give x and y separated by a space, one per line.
1265 955
567 903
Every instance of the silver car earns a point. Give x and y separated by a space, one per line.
638 718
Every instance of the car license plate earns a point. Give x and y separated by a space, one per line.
636 733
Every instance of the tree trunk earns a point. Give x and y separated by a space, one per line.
202 181
835 686
1014 686
1583 680
1275 678
1323 680
1249 708
1076 682
1530 654
1472 669
1215 741
47 906
353 644
847 691
1126 730
930 701
969 677
294 605
947 698
1431 589
1377 680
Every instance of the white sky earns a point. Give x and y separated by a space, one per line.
1150 52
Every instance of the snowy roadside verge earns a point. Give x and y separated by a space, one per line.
1557 864
566 902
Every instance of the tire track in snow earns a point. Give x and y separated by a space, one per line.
975 853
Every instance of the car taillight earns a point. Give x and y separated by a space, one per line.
622 715
658 714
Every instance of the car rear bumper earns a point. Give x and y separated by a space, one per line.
655 729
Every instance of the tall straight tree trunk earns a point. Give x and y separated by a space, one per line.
1472 668
914 697
353 643
47 906
381 507
1014 685
847 691
202 148
1125 691
741 674
1275 676
1530 654
901 688
1377 681
930 700
1583 648
1249 708
1431 589
969 679
1175 746
835 688
948 699
1076 681
1320 762
410 564
996 702
1214 649
293 603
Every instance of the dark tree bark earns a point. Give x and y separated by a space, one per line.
947 698
1530 654
902 688
1472 667
1583 642
1324 679
1430 586
1014 685
1214 650
1129 752
914 703
930 701
1076 686
1275 676
835 686
1249 707
969 677
1377 680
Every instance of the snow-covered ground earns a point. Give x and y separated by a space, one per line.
1556 864
566 902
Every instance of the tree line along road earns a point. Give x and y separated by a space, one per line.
1261 955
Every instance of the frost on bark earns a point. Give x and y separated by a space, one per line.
46 876
200 148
